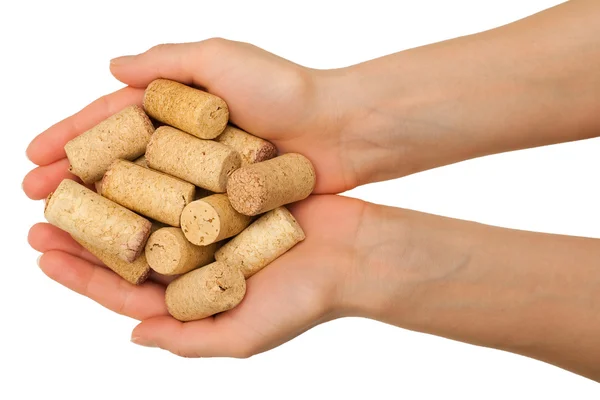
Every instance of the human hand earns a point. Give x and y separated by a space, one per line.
299 290
292 106
267 96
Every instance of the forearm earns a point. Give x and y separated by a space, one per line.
529 293
531 83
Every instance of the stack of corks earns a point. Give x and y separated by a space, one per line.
196 198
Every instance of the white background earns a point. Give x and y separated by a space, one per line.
57 344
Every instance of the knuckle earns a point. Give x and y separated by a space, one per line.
215 42
244 351
214 46
161 47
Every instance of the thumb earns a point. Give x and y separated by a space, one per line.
189 63
209 337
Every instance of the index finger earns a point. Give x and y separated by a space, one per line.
48 146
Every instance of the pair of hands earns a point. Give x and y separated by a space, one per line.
299 110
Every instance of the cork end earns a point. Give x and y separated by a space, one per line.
200 223
163 252
247 191
143 277
136 243
232 163
146 124
265 153
294 227
212 118
310 174
206 291
150 89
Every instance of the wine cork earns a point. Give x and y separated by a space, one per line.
251 148
147 192
125 135
135 272
262 242
206 291
212 219
93 219
141 161
257 188
204 163
193 111
169 253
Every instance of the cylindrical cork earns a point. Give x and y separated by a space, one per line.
204 163
93 219
141 161
257 188
251 148
125 135
135 272
262 242
147 192
212 219
193 111
206 291
169 253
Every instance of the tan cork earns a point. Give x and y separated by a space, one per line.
260 187
125 135
135 272
141 161
262 242
204 163
169 253
147 192
251 148
193 111
212 219
206 291
100 222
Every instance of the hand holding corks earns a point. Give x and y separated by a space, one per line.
162 187
531 293
297 288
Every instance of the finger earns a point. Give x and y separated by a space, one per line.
104 286
48 147
185 62
203 338
269 315
44 237
39 182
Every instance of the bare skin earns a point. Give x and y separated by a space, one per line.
530 83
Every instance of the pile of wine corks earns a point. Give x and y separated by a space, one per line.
195 198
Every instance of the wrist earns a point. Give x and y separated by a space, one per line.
400 256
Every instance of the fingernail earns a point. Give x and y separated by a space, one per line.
38 260
142 342
120 60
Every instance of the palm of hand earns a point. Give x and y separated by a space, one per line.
298 290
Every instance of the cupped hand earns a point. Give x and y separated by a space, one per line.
299 290
270 97
294 107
